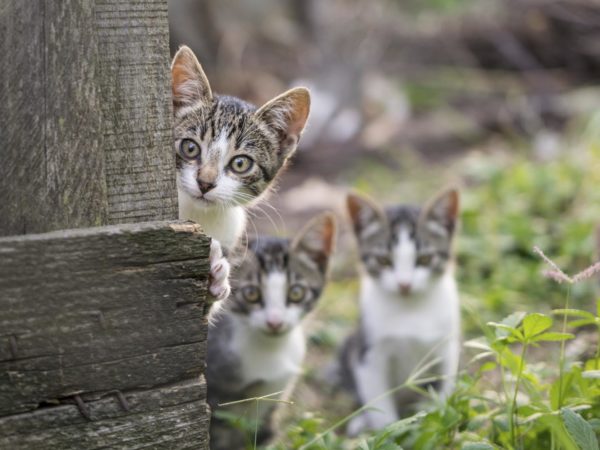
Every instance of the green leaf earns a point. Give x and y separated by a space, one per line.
581 322
514 319
598 307
508 325
595 374
574 313
595 423
535 323
503 331
478 344
551 336
581 431
363 445
477 446
487 366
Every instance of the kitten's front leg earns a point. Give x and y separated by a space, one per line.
219 272
373 388
450 360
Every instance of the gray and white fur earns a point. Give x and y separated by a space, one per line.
409 306
256 343
228 153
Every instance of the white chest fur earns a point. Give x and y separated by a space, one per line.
272 360
223 224
428 317
413 331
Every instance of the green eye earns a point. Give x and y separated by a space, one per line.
241 164
296 293
424 260
189 149
251 294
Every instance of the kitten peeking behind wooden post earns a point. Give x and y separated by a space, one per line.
228 153
409 305
256 343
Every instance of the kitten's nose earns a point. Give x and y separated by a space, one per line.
204 186
405 288
274 324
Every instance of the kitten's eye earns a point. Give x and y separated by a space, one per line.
423 260
241 164
189 149
296 293
383 260
251 294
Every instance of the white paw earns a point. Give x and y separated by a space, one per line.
357 425
218 286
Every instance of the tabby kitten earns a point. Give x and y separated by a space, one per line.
409 305
228 153
256 343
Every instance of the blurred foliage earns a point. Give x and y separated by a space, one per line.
512 205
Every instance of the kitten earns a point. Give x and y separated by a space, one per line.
256 343
227 153
409 305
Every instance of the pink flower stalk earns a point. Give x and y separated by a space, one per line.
559 276
587 273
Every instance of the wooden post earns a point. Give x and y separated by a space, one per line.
85 103
102 330
52 170
135 101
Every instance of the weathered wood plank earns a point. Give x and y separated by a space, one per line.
167 417
52 171
92 310
133 45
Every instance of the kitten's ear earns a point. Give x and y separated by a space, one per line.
317 240
442 210
368 219
286 114
188 81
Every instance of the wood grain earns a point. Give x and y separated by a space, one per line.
52 171
94 310
85 103
169 417
133 47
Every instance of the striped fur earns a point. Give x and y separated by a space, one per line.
224 129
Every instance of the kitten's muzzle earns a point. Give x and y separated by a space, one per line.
205 186
405 288
275 325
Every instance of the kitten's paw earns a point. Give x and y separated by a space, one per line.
357 425
218 286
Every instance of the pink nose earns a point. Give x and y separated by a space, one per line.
405 288
274 324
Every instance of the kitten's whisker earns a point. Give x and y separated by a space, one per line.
276 228
266 203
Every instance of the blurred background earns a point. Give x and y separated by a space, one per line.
498 96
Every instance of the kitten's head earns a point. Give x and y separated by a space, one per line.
405 247
227 151
278 281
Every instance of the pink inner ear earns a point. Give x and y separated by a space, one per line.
452 206
354 207
188 82
299 114
328 233
180 75
288 112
